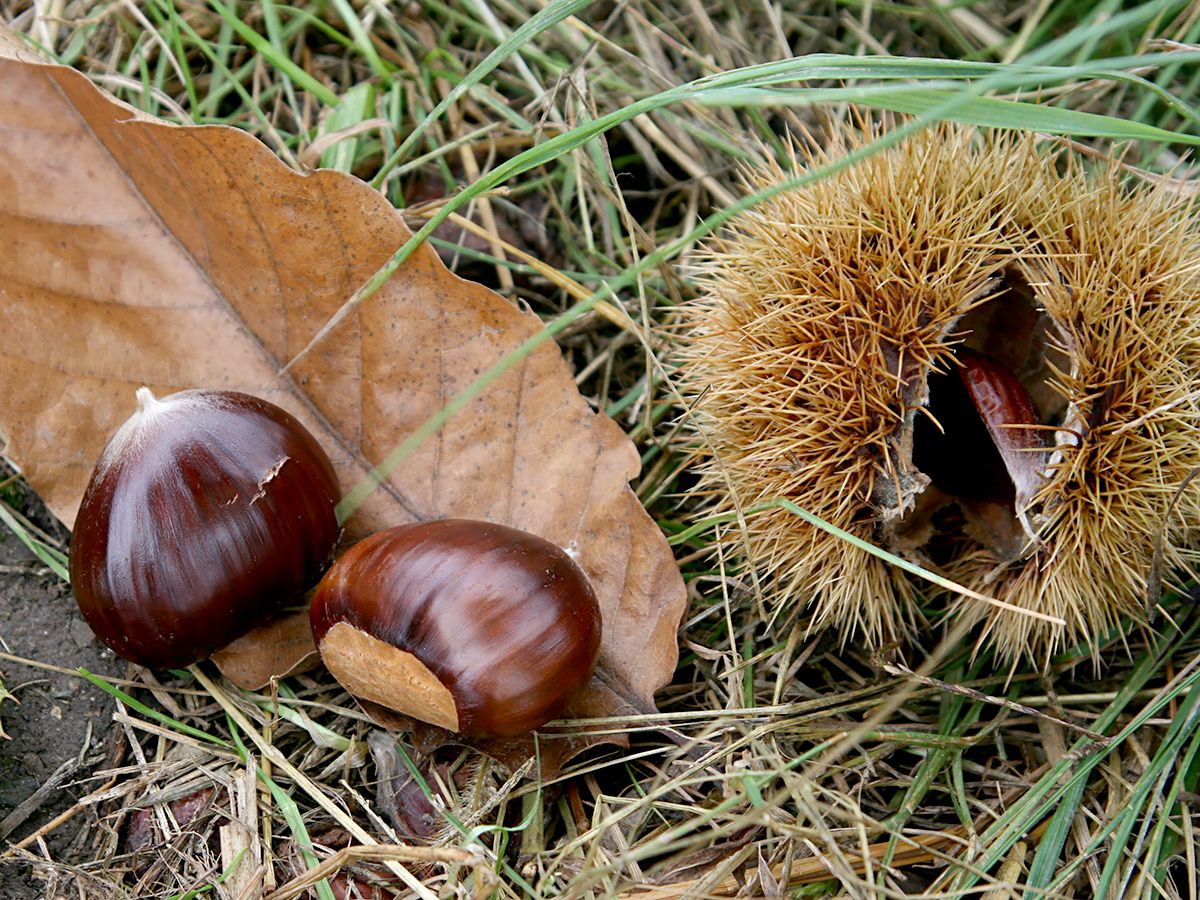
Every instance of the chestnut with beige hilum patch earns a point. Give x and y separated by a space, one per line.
474 626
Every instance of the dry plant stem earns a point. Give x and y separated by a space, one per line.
685 161
264 801
486 213
948 644
302 781
38 798
905 672
1010 874
64 816
930 848
74 673
239 838
381 853
310 156
131 723
612 313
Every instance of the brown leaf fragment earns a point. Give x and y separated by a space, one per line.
398 796
347 886
283 646
141 253
142 831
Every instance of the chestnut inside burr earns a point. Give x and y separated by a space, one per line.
962 460
982 440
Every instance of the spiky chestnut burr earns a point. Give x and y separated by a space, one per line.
835 316
208 512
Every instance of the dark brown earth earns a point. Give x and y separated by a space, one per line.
59 733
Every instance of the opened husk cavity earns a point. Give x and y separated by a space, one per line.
852 330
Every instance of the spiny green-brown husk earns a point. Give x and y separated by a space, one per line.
826 308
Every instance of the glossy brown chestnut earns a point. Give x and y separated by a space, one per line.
991 443
477 627
1008 413
208 512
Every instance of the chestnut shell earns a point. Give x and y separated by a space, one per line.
208 512
504 619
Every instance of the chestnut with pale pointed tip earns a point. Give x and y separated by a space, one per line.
208 512
477 627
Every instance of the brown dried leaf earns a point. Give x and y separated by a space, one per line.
281 647
142 831
138 252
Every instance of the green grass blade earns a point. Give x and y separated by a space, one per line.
546 18
362 40
1020 818
55 559
212 885
273 55
150 713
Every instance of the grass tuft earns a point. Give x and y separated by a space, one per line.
573 156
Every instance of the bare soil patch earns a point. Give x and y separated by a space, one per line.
60 732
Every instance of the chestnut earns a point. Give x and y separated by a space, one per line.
208 512
990 444
477 627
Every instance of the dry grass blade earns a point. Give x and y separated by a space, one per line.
383 853
781 760
314 792
790 874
